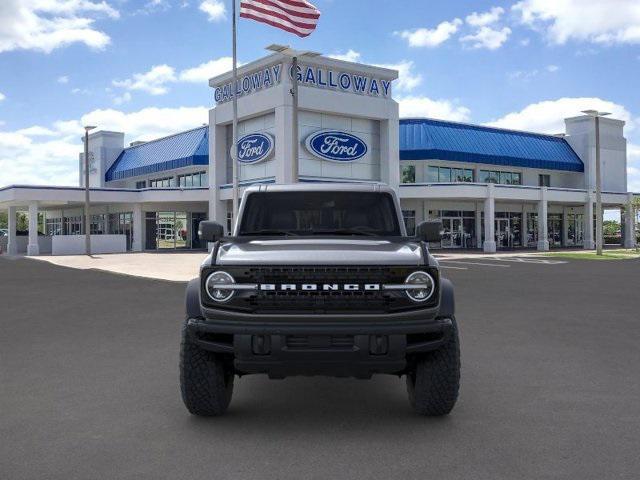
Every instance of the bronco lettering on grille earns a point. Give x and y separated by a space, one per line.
314 287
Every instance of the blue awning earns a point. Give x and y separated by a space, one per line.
183 149
427 139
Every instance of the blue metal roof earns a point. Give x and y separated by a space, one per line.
427 139
176 151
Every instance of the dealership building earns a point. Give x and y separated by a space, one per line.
493 188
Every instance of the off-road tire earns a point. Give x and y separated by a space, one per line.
434 382
206 383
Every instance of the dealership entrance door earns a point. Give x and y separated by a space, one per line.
452 233
173 230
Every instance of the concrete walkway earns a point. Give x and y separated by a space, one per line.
177 267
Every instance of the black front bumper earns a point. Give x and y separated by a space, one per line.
347 348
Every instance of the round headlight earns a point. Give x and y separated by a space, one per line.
215 288
423 286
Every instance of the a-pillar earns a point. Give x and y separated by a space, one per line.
543 238
32 246
12 245
136 244
489 245
589 242
629 224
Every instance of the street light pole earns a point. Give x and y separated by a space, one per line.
598 191
87 217
599 237
294 119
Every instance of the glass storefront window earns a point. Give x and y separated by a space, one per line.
409 221
532 229
504 178
554 229
432 174
173 230
408 174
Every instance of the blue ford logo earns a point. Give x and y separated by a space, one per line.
255 147
336 146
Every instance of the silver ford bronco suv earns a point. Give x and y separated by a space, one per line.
320 279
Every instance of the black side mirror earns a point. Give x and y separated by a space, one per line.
210 231
429 231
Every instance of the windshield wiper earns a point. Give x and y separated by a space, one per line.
269 231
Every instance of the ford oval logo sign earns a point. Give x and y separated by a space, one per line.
255 147
336 146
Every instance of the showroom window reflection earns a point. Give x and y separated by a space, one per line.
449 175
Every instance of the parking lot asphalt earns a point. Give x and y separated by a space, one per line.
550 386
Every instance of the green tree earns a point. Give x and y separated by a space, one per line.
610 228
3 220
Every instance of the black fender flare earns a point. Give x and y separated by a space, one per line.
192 299
447 299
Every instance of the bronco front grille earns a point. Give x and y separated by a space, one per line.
319 301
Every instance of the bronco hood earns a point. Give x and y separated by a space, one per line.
317 251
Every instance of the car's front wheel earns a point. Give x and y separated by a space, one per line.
434 381
206 383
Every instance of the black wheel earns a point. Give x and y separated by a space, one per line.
434 382
206 383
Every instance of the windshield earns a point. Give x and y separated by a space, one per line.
317 213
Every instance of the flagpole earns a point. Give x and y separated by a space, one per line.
294 122
234 148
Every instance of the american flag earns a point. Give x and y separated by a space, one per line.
294 16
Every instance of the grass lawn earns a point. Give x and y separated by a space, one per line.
619 254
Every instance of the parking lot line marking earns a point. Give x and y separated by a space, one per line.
454 268
531 260
474 263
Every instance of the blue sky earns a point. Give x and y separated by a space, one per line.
141 66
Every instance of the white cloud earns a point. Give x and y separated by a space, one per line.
486 18
45 25
2 96
525 42
63 79
548 116
526 75
424 37
420 106
48 155
407 78
487 37
596 21
203 72
349 56
214 9
154 81
120 99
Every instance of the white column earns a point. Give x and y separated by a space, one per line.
543 240
218 170
390 151
32 246
489 245
138 219
283 142
589 242
629 224
12 246
478 226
